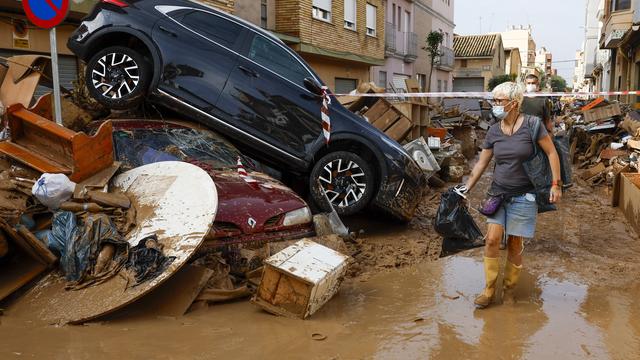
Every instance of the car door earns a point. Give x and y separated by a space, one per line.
196 48
265 96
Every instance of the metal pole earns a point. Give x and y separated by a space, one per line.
57 106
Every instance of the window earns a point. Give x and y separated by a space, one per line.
263 14
345 86
382 79
422 80
322 10
446 85
393 16
372 12
463 63
399 22
278 60
439 85
617 5
213 27
350 14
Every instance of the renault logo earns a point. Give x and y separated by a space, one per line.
252 222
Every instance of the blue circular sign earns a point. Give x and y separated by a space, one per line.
46 13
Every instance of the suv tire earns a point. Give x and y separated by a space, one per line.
118 77
346 178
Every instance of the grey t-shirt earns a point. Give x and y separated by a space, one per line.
509 153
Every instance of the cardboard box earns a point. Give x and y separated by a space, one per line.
300 279
629 198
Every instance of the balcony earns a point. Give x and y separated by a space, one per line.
401 44
446 60
616 25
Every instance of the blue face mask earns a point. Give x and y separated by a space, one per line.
498 112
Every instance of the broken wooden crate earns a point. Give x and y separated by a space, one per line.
51 148
629 198
300 279
602 113
390 120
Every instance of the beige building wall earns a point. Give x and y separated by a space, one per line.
329 70
294 17
251 10
36 40
521 39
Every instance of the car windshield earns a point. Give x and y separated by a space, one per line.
139 147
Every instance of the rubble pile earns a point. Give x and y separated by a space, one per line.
604 139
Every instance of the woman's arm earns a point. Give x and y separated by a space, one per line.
479 168
547 146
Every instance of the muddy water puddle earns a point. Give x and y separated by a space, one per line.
419 312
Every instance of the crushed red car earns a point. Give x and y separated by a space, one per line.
260 211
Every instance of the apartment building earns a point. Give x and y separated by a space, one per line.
513 63
520 37
544 61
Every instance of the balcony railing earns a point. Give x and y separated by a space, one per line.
446 60
404 44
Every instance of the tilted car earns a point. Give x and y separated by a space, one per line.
247 212
245 83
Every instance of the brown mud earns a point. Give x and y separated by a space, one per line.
577 299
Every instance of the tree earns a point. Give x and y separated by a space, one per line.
433 43
558 83
499 79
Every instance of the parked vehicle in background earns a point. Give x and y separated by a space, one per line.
248 85
265 211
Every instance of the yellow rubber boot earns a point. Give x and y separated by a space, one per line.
491 268
511 277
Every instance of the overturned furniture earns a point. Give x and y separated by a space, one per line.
51 148
300 279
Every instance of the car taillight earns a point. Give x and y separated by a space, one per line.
117 3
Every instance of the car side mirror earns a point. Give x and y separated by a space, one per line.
313 86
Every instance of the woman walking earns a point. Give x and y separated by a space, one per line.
510 142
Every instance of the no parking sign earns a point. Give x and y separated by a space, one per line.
46 13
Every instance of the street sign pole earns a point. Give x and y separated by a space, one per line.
57 106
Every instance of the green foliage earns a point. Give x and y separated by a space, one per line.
433 42
558 83
499 79
432 47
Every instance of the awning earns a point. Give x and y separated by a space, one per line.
343 55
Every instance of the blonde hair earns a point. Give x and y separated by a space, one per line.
510 90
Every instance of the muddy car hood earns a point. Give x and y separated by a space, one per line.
261 203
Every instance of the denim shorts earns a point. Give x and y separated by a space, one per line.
517 216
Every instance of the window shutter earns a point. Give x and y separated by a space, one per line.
350 10
371 16
322 4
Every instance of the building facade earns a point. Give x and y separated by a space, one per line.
340 39
401 45
513 63
443 10
478 58
544 61
520 37
621 35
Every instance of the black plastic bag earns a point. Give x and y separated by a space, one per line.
455 224
562 147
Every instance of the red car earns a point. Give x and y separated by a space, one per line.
260 211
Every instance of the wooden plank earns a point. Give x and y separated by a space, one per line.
380 107
629 199
110 199
43 252
615 193
31 159
387 119
593 171
399 130
175 296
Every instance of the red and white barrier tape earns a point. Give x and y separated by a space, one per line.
489 95
324 110
248 178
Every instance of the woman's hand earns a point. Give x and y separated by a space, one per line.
556 194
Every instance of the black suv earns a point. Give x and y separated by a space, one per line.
244 82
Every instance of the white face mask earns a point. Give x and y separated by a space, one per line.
531 88
498 112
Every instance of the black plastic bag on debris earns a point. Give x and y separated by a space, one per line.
147 260
456 225
79 241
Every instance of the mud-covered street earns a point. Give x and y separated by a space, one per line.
577 299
